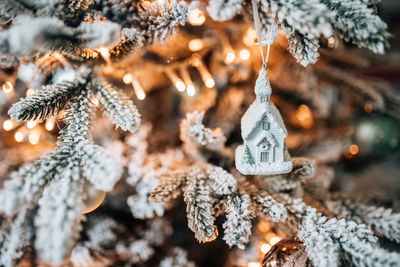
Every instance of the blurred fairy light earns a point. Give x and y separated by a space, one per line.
8 87
264 248
206 76
138 89
331 42
353 149
304 116
179 84
273 240
49 124
197 17
196 45
250 37
244 54
18 136
253 264
128 78
229 57
30 91
34 137
190 89
31 124
8 125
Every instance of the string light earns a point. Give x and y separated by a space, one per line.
353 149
31 124
253 264
273 240
95 101
179 84
128 78
304 117
206 76
8 87
8 125
265 248
229 57
18 136
331 42
34 137
30 91
191 90
250 37
49 124
197 17
196 45
137 87
244 54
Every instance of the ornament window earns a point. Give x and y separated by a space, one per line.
263 99
264 155
265 125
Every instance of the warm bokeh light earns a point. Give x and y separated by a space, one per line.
196 45
128 78
18 136
331 42
229 57
30 91
304 117
50 124
273 240
197 17
265 248
210 82
244 54
139 91
8 87
34 137
368 107
353 149
253 264
250 37
8 125
180 86
191 90
31 124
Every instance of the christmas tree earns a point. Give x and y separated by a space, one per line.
173 78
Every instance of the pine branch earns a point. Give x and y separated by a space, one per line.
238 220
159 21
169 187
355 21
119 108
130 40
304 49
58 221
199 208
50 99
221 10
268 208
223 183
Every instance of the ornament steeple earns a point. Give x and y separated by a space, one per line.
262 89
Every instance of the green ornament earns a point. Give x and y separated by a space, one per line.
246 158
376 135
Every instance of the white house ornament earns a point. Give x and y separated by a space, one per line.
263 132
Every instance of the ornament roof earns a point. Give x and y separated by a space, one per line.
256 112
262 87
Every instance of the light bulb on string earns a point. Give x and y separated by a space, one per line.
34 136
179 84
30 91
196 45
229 57
228 50
19 136
206 76
31 124
273 240
264 248
250 37
50 124
138 89
128 78
191 90
8 125
244 54
197 17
